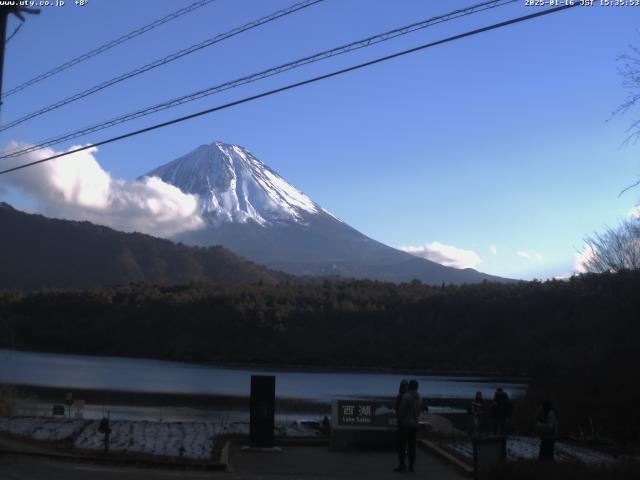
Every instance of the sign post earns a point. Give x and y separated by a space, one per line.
68 399
78 406
105 429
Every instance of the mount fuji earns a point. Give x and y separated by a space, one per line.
251 210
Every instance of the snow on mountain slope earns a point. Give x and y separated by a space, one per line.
234 186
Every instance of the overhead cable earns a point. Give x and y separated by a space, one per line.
106 46
366 42
297 84
162 61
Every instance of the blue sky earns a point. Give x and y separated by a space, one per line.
504 139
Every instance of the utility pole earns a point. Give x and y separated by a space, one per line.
4 15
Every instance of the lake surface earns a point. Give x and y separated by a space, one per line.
155 376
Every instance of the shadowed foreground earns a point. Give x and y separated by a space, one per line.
304 463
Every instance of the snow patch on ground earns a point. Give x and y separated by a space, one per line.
189 440
192 440
43 429
527 448
281 429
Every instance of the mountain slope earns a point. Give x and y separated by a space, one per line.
254 212
39 252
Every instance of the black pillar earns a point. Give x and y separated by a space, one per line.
262 410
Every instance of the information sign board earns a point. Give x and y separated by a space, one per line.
362 415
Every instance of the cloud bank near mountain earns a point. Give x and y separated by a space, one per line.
446 255
76 187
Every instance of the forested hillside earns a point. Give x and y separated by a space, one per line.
39 252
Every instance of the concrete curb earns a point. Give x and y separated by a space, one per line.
117 460
433 447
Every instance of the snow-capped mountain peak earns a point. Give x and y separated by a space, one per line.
257 214
234 186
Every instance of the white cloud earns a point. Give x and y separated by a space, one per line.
447 255
524 255
635 212
566 276
493 249
530 255
76 187
582 258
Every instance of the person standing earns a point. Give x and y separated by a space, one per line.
500 410
477 409
400 443
402 389
408 414
547 426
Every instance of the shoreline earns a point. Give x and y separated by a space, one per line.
160 399
521 378
153 399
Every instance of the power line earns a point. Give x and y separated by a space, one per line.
163 61
261 75
18 11
107 46
298 84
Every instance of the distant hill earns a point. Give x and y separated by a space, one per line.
39 252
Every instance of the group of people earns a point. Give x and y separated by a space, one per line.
501 408
408 406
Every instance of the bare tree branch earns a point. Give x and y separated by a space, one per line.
616 249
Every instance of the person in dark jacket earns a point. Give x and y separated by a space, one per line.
404 388
547 427
408 414
476 409
500 410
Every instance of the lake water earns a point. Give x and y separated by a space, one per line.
154 376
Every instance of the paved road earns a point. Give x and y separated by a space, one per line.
304 463
320 463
